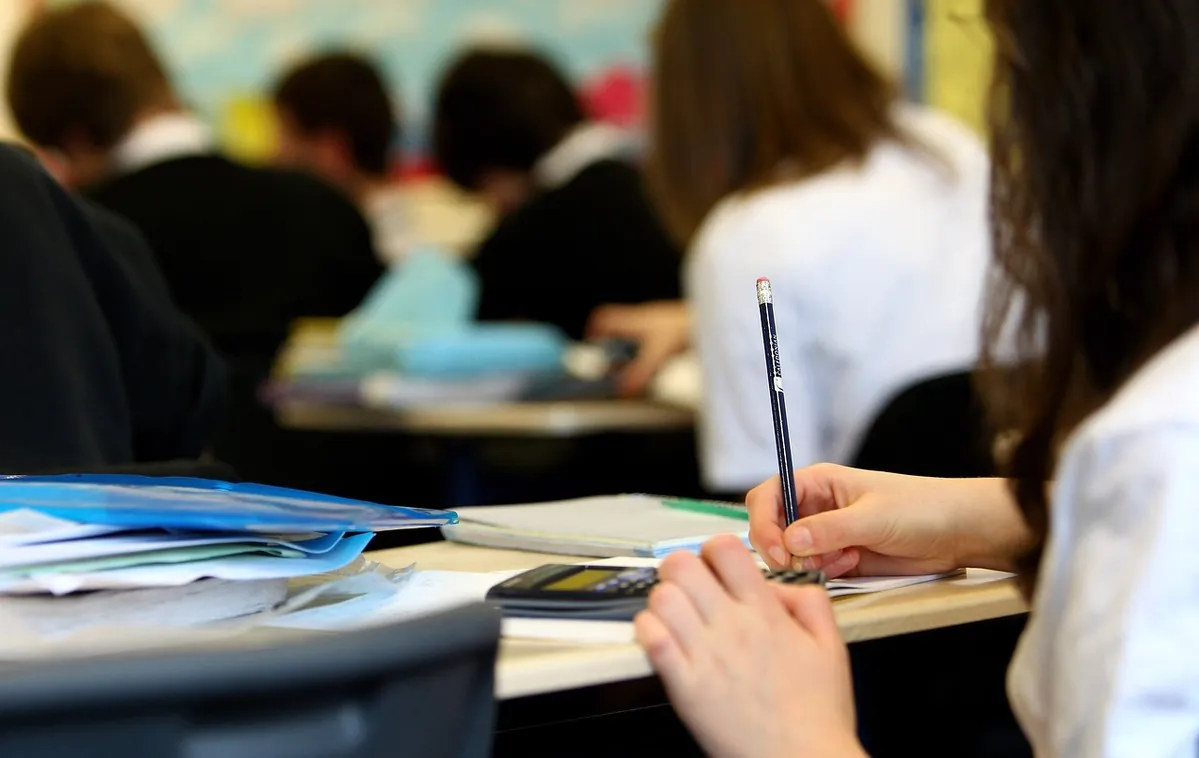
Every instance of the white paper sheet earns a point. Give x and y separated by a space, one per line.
237 567
26 527
146 622
836 587
131 544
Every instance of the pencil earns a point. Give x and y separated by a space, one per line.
774 379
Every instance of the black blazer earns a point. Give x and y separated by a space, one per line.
102 369
246 251
592 241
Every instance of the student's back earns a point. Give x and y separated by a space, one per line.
877 272
102 370
247 250
591 241
577 229
779 151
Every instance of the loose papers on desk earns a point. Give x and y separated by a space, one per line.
208 611
620 525
428 592
69 534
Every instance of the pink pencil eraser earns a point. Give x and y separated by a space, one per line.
762 279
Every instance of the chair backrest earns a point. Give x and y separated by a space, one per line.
935 427
421 688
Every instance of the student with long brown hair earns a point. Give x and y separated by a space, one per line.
778 150
1096 152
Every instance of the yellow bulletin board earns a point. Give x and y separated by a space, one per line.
247 128
958 52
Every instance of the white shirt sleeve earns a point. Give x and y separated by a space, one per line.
1117 623
736 428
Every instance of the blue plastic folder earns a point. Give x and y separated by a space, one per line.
180 503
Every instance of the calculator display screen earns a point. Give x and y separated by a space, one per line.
580 580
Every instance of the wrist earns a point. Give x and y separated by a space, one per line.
847 746
988 528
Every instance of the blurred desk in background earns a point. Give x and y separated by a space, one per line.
534 429
474 453
550 419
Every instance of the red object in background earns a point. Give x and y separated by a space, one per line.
843 9
615 96
414 167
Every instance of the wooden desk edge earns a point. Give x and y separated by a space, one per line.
530 667
537 668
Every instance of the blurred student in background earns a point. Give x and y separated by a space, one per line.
245 251
103 370
336 119
779 151
576 230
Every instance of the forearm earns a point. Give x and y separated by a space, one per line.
989 529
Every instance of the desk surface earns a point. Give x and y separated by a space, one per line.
554 419
528 667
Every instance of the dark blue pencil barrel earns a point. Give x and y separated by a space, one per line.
774 378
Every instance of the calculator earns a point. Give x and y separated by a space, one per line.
604 593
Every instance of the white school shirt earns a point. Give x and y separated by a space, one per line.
877 271
1108 666
162 138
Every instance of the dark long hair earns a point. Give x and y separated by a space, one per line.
1095 144
750 93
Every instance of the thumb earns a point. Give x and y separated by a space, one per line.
831 531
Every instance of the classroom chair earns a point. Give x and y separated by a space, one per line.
935 427
421 688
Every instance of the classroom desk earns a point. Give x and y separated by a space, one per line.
527 668
548 419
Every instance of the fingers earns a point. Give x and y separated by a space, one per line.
735 567
813 609
671 606
833 565
608 321
691 577
663 650
635 377
765 505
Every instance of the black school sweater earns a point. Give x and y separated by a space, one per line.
100 368
245 250
592 241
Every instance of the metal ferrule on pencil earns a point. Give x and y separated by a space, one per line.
764 294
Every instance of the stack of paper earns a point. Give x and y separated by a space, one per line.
620 525
191 550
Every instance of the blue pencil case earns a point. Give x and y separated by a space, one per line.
483 349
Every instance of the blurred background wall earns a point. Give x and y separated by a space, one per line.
225 53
